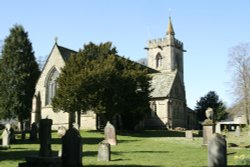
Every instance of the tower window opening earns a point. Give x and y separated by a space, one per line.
158 60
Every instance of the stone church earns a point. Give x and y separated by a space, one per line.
168 99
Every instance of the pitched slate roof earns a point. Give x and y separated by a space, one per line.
65 52
161 84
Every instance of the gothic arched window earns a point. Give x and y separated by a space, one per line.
158 60
51 85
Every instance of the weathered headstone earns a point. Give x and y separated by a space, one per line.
33 132
6 138
110 134
237 131
103 151
217 151
189 134
218 128
61 132
207 133
72 148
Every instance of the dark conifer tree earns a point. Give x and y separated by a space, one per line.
97 79
211 99
18 73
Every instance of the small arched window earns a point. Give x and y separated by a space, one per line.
51 86
158 60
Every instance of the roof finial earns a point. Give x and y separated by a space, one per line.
169 12
56 39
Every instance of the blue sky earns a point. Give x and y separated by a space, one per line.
208 30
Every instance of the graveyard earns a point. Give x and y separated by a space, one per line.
138 149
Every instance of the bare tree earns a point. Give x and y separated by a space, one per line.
41 60
143 61
239 63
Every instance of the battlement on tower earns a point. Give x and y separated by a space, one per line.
162 42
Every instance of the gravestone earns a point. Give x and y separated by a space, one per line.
217 151
208 131
218 128
12 135
45 137
103 151
237 131
6 137
45 158
110 134
61 132
189 134
72 148
33 132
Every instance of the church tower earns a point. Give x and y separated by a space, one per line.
166 54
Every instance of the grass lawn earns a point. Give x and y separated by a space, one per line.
145 149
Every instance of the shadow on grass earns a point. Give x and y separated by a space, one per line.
153 133
89 153
94 153
152 152
16 155
238 165
122 165
26 141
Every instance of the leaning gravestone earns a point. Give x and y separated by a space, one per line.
110 134
103 151
189 134
72 148
217 151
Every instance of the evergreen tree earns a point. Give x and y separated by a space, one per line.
98 79
18 73
211 99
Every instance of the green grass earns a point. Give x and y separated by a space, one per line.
145 149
